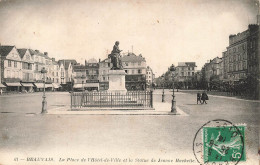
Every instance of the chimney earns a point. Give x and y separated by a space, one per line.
99 60
46 53
53 59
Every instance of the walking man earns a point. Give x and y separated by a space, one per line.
198 97
204 97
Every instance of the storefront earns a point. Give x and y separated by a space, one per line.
14 86
2 88
86 86
27 87
91 86
56 86
48 87
38 87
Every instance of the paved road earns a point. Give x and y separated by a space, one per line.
25 133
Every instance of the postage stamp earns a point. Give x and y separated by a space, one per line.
220 142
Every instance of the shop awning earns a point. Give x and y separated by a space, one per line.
77 86
55 85
13 84
2 85
27 84
39 85
91 85
48 85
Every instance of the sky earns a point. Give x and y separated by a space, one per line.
164 32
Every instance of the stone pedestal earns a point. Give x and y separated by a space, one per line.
117 81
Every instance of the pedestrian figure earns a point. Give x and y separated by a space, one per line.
204 97
198 97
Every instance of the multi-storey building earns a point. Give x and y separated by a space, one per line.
135 68
104 67
149 77
11 68
236 56
79 76
184 72
92 74
27 70
241 58
66 69
213 69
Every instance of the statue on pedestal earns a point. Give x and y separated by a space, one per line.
115 57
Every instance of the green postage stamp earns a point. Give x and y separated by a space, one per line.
224 144
220 142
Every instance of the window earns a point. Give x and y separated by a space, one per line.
87 72
133 71
125 71
139 71
104 78
126 64
9 64
139 63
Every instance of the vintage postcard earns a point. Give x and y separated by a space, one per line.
146 82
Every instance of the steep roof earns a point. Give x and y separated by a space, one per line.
66 62
32 52
5 50
131 57
21 52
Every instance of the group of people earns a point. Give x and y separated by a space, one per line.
202 97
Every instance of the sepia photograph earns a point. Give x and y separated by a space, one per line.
138 82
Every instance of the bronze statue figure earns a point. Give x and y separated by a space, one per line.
115 57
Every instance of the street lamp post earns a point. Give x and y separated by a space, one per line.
173 107
163 95
44 102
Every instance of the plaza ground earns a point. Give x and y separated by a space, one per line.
26 133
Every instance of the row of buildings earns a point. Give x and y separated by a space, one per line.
94 75
236 70
239 61
21 70
183 74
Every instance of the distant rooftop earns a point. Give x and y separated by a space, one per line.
131 57
189 64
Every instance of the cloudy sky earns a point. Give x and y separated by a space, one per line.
164 32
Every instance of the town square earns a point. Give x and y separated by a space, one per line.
120 82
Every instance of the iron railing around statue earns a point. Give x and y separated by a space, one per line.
132 99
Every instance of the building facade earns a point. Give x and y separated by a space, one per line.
92 74
241 59
149 77
27 70
185 71
214 69
11 68
104 68
135 68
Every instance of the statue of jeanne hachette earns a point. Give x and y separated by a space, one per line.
115 57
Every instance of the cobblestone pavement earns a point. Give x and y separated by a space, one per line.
25 133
